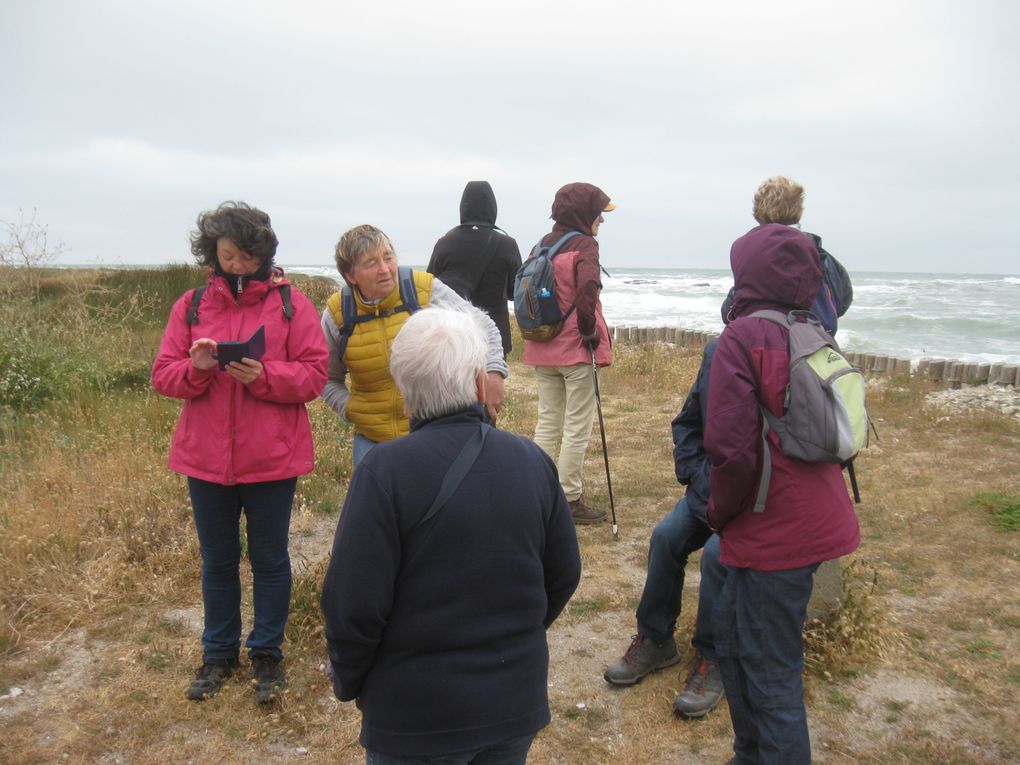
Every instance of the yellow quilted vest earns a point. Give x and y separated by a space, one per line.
376 408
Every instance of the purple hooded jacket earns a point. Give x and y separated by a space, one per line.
808 516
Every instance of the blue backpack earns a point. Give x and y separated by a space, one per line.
535 302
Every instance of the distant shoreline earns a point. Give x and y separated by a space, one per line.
917 316
609 267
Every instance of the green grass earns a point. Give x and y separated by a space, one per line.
1003 509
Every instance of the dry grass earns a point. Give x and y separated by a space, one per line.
101 606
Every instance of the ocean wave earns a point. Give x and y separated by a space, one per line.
968 317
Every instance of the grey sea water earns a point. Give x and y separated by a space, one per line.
969 317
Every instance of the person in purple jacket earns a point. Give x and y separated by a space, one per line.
759 616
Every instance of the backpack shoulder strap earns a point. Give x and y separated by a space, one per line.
408 290
776 317
767 418
550 250
555 247
766 461
288 307
349 312
196 297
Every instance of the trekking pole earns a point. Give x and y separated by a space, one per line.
605 452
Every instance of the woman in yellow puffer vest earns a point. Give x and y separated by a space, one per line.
371 402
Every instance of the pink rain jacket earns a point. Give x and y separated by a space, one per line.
578 282
232 433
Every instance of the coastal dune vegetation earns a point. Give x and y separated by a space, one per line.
100 607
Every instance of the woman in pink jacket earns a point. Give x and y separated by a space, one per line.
243 436
563 365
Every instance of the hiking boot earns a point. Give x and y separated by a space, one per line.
209 678
583 513
642 657
267 677
703 689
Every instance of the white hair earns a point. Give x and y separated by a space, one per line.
435 360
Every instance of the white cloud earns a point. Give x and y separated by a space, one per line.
126 119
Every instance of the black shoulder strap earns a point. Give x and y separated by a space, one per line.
288 307
484 259
196 298
349 312
457 472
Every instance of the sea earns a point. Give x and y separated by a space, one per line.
966 317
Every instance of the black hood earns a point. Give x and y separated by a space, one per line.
478 204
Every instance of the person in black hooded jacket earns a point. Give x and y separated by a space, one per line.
478 259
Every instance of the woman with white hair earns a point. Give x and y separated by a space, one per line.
454 553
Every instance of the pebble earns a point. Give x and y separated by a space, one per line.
1006 399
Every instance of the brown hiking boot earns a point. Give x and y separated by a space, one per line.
583 513
643 656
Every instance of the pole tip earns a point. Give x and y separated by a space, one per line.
616 532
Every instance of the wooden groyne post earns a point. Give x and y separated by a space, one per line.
950 372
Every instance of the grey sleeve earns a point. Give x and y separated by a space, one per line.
445 297
335 393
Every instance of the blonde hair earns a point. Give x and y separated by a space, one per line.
779 200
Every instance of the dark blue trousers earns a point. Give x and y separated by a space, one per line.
713 577
676 536
758 624
217 510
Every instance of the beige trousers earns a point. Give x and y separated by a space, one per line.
566 412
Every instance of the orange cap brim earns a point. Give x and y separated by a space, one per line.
609 207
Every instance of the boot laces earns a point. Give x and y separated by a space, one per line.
697 676
631 656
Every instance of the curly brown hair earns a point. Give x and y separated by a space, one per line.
247 227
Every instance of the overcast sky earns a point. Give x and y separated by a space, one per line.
122 120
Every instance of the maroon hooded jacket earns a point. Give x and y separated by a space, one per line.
808 517
575 208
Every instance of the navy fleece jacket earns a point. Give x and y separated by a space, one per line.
439 631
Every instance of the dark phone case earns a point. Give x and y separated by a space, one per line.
235 350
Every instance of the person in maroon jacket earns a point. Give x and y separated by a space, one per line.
759 617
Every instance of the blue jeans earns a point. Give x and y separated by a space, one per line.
512 752
673 540
758 626
713 577
217 510
360 448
